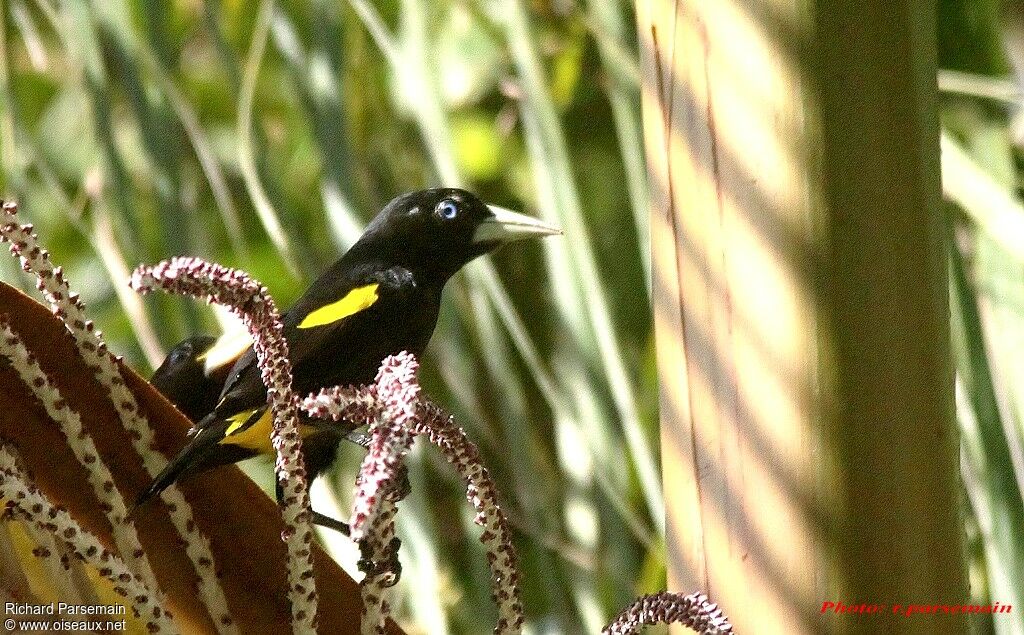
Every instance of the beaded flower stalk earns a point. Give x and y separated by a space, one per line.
67 306
694 611
392 407
251 301
395 414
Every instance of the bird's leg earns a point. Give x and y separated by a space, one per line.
326 521
316 517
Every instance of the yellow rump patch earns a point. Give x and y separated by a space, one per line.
238 421
354 301
257 436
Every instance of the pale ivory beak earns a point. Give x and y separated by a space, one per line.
506 226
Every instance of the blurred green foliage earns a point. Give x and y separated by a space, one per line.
981 54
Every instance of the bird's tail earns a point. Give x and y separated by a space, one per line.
189 457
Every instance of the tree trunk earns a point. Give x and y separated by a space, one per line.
809 447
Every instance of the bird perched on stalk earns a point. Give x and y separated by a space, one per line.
380 298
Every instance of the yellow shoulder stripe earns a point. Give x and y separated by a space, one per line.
354 301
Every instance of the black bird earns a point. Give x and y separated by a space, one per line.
380 298
184 380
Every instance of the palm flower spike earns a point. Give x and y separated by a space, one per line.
395 414
392 408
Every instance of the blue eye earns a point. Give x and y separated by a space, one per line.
447 209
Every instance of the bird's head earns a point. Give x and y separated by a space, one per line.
435 232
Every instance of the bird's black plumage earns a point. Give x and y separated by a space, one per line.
183 379
380 298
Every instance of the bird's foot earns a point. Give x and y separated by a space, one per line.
389 566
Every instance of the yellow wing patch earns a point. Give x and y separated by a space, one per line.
354 301
257 436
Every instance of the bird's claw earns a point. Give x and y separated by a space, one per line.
390 566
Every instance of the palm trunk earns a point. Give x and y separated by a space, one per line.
809 447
